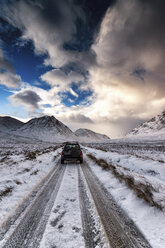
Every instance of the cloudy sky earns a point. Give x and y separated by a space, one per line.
95 64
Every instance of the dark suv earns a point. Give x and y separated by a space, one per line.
71 151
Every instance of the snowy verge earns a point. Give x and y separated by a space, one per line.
150 220
145 177
146 150
20 176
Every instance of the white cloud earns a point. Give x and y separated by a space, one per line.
128 79
61 82
123 91
48 30
10 79
49 25
60 79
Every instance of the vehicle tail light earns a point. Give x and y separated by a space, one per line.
62 153
81 153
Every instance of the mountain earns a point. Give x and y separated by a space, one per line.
87 135
46 128
154 128
8 123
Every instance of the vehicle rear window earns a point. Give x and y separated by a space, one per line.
72 146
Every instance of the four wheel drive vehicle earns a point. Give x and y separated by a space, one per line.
71 151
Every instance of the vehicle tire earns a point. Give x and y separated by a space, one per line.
62 161
81 161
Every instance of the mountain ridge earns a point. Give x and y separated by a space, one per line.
85 133
8 123
154 127
47 128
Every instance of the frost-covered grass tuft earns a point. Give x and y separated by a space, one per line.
5 192
31 155
142 188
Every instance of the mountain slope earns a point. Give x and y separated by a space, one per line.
152 128
46 128
8 123
89 135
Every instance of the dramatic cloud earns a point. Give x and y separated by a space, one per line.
49 24
123 67
7 76
26 98
35 98
10 80
129 80
60 79
132 31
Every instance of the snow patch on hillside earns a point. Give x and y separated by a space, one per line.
46 128
86 135
154 128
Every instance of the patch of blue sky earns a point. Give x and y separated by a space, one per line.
27 64
82 98
4 93
47 105
6 108
10 110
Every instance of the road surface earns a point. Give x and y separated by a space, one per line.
71 191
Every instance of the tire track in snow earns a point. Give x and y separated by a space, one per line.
92 228
20 211
120 230
29 231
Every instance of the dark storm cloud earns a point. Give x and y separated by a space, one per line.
147 25
137 29
86 29
53 13
47 23
64 29
139 73
28 98
131 45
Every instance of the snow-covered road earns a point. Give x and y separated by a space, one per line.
73 209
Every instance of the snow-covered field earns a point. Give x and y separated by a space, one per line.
134 173
147 149
145 173
22 168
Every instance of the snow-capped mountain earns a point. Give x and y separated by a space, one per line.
88 135
8 123
46 128
154 128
